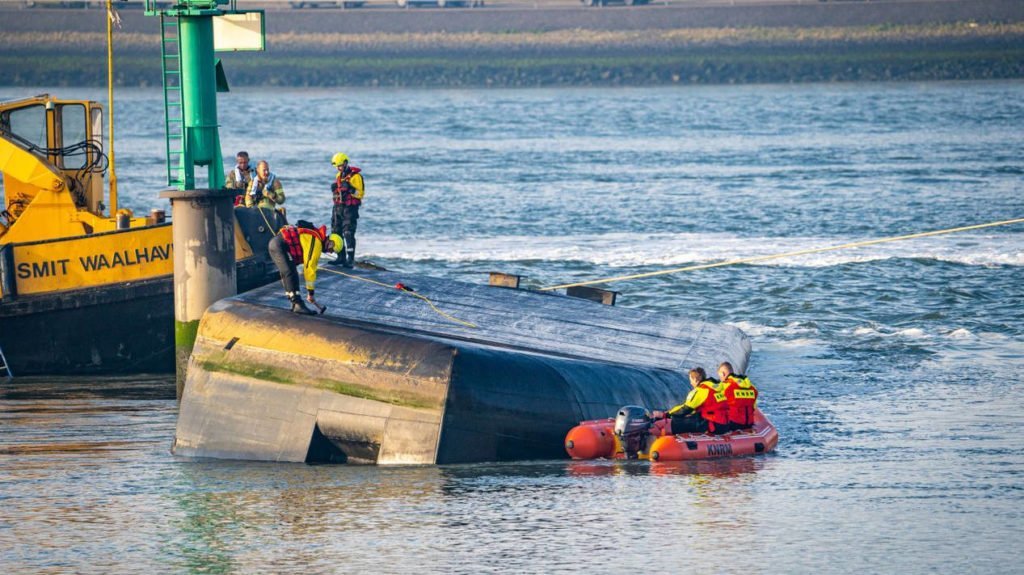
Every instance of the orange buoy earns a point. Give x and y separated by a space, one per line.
591 439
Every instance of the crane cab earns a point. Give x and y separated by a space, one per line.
53 166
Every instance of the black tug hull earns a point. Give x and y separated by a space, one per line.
117 329
114 329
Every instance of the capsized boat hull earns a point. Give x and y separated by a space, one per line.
595 439
382 377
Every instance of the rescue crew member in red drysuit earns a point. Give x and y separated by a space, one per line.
302 245
347 190
705 409
740 396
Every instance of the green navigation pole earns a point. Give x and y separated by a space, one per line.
199 96
204 225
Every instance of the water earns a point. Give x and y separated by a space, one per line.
892 371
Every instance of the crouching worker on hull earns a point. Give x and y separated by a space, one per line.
296 245
705 409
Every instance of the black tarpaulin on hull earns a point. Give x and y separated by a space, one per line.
510 406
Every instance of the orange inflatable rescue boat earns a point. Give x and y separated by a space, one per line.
634 434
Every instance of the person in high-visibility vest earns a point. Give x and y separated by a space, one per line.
302 245
740 395
347 191
705 408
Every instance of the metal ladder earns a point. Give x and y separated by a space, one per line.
5 370
174 113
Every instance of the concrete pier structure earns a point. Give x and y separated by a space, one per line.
204 262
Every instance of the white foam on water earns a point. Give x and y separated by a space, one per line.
887 331
961 333
792 328
684 249
865 331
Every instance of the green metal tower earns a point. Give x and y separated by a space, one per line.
192 76
203 219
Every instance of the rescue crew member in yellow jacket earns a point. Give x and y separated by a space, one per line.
740 396
347 191
302 245
705 409
265 190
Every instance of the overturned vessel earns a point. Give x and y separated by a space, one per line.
452 372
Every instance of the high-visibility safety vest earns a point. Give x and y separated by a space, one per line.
741 396
304 247
348 187
292 236
708 401
715 408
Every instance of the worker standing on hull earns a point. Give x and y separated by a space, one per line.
347 191
302 245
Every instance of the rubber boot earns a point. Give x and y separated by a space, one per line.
350 258
299 306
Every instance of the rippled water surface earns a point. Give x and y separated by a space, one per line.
892 371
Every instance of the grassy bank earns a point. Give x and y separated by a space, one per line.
591 58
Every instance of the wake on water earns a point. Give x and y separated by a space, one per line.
680 249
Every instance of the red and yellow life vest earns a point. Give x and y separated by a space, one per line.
345 192
292 239
741 396
715 408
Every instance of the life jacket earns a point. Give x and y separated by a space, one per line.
292 238
741 396
715 408
344 192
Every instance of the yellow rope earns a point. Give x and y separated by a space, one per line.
786 255
266 221
412 293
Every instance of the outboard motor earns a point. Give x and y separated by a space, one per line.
632 423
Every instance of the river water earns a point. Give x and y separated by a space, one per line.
892 371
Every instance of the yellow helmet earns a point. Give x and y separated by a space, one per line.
339 244
339 159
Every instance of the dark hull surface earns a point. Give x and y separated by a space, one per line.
486 374
117 329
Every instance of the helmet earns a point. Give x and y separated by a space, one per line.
335 239
339 159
